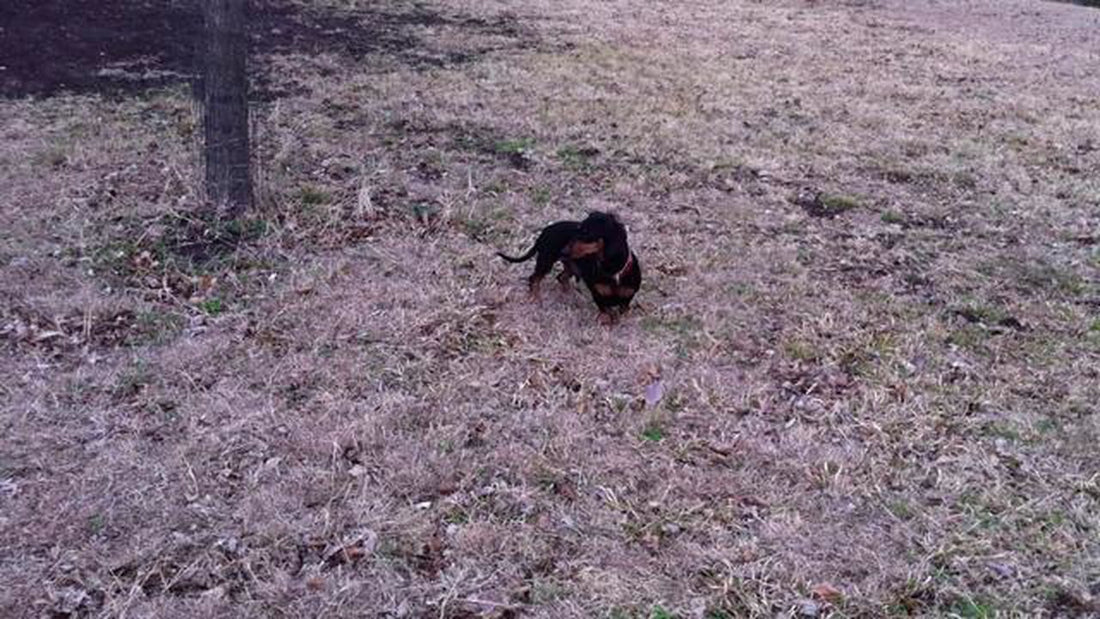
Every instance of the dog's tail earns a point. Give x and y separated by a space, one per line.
523 258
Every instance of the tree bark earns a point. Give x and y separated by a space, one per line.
225 99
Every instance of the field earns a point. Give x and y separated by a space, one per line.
862 378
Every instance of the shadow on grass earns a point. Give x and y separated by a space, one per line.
121 47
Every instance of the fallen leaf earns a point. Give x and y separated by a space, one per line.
827 592
360 546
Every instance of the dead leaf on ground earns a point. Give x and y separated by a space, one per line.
360 546
827 593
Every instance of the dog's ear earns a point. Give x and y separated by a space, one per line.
615 248
616 223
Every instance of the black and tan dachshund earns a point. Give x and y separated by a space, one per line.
600 253
594 250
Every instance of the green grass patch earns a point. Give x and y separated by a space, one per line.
313 196
494 187
981 313
212 307
1002 429
653 432
963 180
969 337
863 357
899 175
1053 519
901 509
686 332
892 217
423 211
545 591
984 515
1047 426
836 204
1036 276
799 349
158 326
244 229
131 383
96 524
909 599
456 515
541 196
741 289
184 246
969 608
514 147
487 225
577 157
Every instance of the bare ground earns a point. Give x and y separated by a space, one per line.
871 233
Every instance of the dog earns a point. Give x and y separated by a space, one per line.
594 251
600 253
550 246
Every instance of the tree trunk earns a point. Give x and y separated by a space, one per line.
228 180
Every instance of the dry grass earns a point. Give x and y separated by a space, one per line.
870 232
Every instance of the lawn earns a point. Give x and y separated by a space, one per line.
861 379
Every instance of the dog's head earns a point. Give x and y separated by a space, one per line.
601 235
